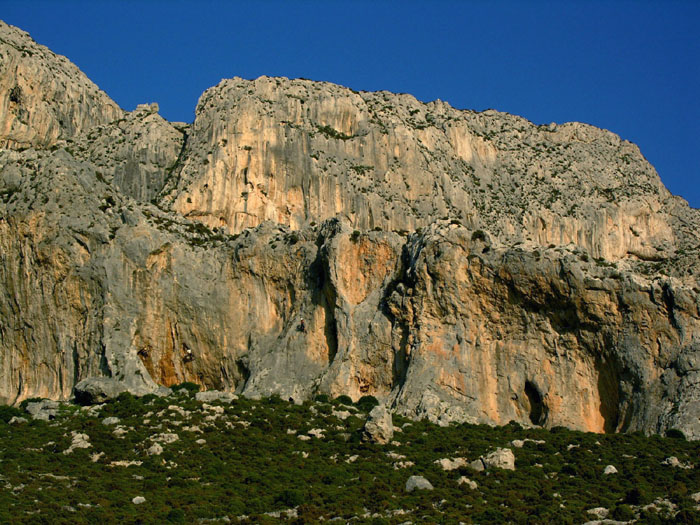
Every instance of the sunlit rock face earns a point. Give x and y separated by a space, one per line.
296 152
301 238
43 96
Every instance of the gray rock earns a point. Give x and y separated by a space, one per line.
163 391
138 500
78 440
379 427
44 410
673 461
46 90
599 512
500 458
477 465
465 480
110 421
418 483
209 396
451 464
155 450
16 420
94 390
609 469
166 438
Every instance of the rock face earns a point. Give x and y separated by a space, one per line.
458 266
43 97
297 151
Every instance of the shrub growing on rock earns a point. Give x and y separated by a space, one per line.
7 413
343 400
367 403
187 387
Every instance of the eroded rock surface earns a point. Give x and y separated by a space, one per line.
299 238
43 96
379 427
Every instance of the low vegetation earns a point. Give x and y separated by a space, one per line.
269 460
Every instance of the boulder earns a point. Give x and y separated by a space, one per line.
609 469
500 458
418 483
463 480
209 396
155 450
44 410
94 390
451 464
599 512
78 441
379 428
166 438
673 461
477 465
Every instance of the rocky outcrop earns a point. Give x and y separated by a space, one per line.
418 483
136 153
43 96
297 151
379 427
300 238
94 390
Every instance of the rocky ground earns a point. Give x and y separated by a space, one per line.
213 457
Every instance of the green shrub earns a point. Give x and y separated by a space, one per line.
322 398
7 413
675 433
290 498
623 513
188 387
479 235
23 404
343 400
636 496
367 403
176 516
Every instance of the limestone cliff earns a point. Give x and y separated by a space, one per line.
296 151
43 96
301 238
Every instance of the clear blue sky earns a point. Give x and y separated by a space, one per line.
630 67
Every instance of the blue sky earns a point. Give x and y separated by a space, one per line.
632 67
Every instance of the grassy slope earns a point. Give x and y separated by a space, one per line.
251 464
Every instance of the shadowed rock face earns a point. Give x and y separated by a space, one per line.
458 266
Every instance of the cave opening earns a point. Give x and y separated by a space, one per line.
243 373
538 409
609 393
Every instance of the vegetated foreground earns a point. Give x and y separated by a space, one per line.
178 459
